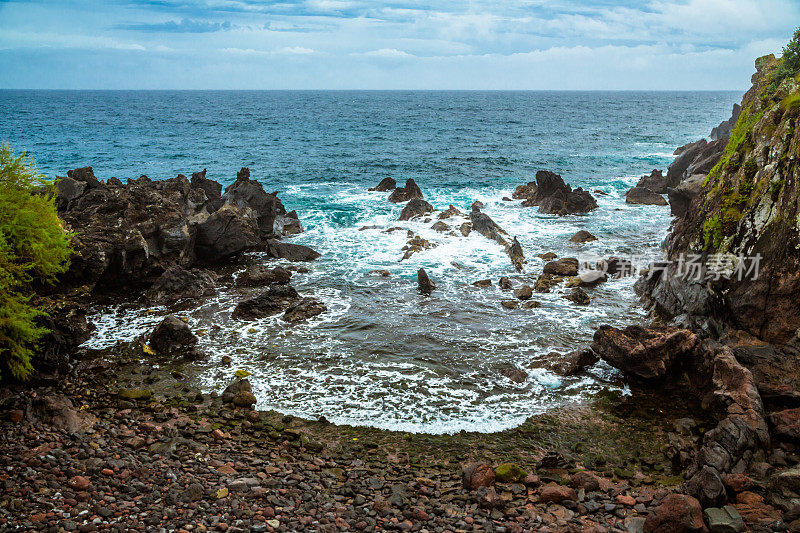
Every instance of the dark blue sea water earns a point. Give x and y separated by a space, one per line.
383 355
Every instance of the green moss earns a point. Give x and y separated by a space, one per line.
712 232
509 473
750 170
791 103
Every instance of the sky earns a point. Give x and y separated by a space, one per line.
389 44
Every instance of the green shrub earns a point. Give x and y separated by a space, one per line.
33 247
790 62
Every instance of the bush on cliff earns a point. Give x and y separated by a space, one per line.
790 61
34 247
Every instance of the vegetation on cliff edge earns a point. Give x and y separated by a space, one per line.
34 247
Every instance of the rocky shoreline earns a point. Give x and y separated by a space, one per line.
122 439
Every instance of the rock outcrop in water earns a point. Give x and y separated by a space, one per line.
404 194
483 224
644 196
553 196
127 235
386 184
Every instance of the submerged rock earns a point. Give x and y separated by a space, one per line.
303 310
578 296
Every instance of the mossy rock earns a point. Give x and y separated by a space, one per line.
135 394
509 473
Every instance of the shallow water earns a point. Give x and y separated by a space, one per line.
383 355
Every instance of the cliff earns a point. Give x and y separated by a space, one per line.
733 253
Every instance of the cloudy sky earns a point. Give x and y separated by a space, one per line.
389 44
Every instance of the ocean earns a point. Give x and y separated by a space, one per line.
383 355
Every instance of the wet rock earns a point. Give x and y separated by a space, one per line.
547 256
483 224
677 513
225 233
553 196
476 475
260 275
386 184
590 278
573 362
381 272
426 286
515 253
238 386
451 211
504 283
172 335
566 266
644 353
655 181
482 283
243 399
67 328
644 196
441 227
578 296
404 194
510 304
178 283
615 267
289 251
276 299
303 310
582 236
414 245
517 375
135 394
465 229
524 292
531 304
416 207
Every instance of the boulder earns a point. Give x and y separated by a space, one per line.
510 304
677 513
504 283
786 424
440 226
590 278
426 286
616 267
404 194
58 411
465 229
85 175
67 190
178 283
386 184
553 196
646 354
260 275
566 266
477 475
172 335
724 520
578 296
276 299
225 233
655 181
483 224
644 196
509 473
554 493
515 253
482 283
304 309
450 212
67 328
416 207
582 236
524 292
573 362
240 385
289 251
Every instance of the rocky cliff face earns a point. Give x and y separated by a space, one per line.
746 206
